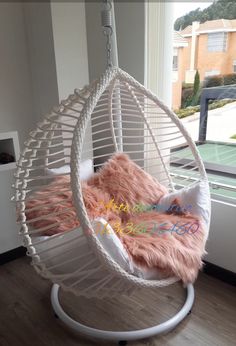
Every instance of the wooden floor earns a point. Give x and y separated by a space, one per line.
26 317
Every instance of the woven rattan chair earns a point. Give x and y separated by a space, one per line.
123 116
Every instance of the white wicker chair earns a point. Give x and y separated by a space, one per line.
123 116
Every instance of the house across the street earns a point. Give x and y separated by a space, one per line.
208 48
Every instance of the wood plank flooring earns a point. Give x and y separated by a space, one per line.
26 317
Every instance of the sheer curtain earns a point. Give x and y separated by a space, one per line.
158 71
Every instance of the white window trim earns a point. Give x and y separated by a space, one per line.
212 73
234 66
159 48
158 65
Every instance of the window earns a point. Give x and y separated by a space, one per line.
175 62
217 42
212 73
175 65
218 145
234 66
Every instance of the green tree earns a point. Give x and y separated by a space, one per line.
196 84
219 9
191 95
196 90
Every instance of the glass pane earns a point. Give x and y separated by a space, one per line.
207 64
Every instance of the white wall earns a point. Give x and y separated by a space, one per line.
222 236
130 22
15 105
95 40
15 79
70 45
130 27
40 46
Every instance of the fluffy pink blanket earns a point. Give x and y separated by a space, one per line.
126 183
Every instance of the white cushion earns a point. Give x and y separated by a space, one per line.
86 170
112 244
114 247
196 199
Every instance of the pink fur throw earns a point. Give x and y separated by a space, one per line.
170 252
125 182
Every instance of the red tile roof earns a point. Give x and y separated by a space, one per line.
218 24
179 40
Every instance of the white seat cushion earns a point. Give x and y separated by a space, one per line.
195 199
86 170
114 247
112 244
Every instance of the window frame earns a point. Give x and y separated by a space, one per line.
216 44
234 66
212 73
175 65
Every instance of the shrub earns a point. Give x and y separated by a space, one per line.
214 81
219 103
230 79
186 99
191 93
196 98
185 112
196 84
233 137
196 90
187 85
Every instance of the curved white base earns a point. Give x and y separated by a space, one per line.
118 336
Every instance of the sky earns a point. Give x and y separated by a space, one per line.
181 8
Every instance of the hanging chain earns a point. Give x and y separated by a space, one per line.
107 29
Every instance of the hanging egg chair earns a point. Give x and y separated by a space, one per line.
114 114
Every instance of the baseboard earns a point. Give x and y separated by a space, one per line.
12 254
220 273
